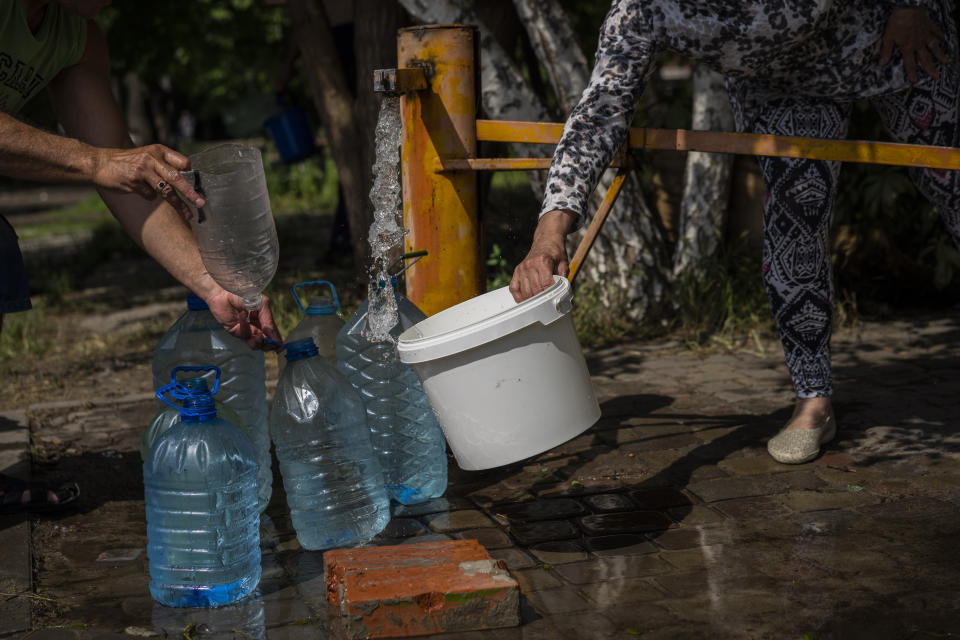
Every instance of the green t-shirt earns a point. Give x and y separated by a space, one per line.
29 61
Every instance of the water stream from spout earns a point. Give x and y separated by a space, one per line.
386 232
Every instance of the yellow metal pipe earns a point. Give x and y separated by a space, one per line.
518 131
609 199
500 164
888 153
440 209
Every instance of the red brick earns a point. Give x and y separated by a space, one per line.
420 589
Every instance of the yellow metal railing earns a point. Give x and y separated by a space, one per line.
437 82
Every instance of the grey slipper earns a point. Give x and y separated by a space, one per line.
801 445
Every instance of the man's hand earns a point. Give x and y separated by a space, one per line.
547 256
918 38
147 171
250 326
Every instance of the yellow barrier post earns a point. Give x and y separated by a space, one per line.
440 208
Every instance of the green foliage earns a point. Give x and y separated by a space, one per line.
285 312
215 52
307 186
597 324
726 298
24 334
498 271
891 247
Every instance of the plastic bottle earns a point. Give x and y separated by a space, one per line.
321 319
405 433
170 416
196 338
235 231
200 481
331 474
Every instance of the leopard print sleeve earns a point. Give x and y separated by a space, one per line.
599 124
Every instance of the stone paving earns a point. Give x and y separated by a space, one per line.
665 520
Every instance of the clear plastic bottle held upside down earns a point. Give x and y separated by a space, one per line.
235 231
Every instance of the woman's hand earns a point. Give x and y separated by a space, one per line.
547 256
917 37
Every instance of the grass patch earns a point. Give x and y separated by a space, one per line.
726 299
86 215
25 334
598 324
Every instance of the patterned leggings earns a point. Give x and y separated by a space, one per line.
799 209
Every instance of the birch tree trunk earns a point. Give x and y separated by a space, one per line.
628 260
706 190
629 257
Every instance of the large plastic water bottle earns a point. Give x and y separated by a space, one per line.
200 480
170 416
235 231
321 320
330 472
405 433
196 338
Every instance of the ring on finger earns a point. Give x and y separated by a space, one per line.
161 186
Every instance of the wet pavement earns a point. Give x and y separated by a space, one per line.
666 520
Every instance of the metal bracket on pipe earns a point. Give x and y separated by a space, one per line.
397 81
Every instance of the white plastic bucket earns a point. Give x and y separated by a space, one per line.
506 380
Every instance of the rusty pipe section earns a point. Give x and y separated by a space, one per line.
440 210
394 82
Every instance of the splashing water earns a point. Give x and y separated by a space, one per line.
385 232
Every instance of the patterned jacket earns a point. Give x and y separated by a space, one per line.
823 49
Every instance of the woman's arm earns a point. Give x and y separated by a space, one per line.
596 129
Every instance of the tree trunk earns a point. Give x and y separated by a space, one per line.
706 191
629 258
335 105
556 47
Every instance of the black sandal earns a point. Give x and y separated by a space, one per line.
11 500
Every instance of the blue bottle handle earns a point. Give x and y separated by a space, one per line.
319 283
216 380
180 392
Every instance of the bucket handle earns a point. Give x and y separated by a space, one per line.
547 314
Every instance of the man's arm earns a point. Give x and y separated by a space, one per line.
86 108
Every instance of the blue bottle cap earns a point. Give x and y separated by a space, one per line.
196 401
303 348
195 385
196 303
198 407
